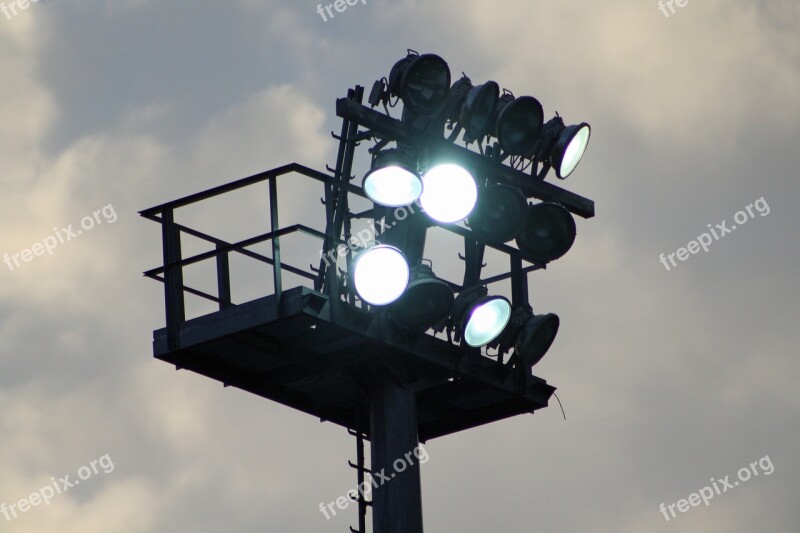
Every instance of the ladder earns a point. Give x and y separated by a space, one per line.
361 470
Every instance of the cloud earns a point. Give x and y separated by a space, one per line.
667 378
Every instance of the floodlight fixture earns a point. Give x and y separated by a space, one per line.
478 110
536 337
449 192
478 317
530 335
518 123
499 215
472 107
422 82
393 180
561 146
569 148
548 234
380 274
426 301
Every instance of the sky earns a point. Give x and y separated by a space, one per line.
671 378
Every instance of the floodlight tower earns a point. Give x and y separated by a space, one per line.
379 343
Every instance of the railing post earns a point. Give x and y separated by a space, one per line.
173 278
276 243
223 279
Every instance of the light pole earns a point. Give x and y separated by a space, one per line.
376 341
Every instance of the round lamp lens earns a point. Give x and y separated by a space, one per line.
380 275
392 186
574 151
449 193
487 321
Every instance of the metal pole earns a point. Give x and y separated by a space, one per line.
397 498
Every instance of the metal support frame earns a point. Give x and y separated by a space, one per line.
386 127
519 283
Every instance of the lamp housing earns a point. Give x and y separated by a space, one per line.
548 234
569 148
422 82
518 123
499 215
426 301
530 335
